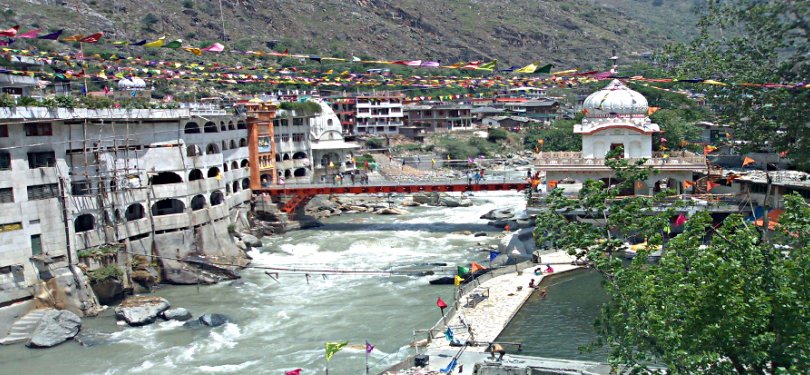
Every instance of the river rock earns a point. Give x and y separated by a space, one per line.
499 214
178 313
392 211
54 328
465 202
141 310
426 198
480 234
94 338
251 240
213 320
108 291
449 201
410 203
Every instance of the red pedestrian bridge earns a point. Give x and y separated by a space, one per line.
299 194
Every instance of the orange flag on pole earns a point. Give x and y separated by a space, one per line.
687 184
476 267
711 185
708 149
747 161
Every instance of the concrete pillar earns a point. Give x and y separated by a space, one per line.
260 124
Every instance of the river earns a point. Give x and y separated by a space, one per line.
283 325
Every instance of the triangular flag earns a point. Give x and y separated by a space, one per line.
457 280
687 184
448 334
546 69
680 220
94 38
493 255
73 38
156 43
461 270
334 347
708 149
711 185
10 32
747 161
369 347
475 267
440 303
52 36
293 372
528 69
216 47
174 44
490 66
30 34
195 51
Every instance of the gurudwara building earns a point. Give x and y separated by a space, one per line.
616 116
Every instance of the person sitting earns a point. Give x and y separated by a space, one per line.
538 271
531 284
549 269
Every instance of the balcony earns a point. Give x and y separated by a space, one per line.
574 160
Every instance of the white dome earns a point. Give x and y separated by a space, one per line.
131 83
615 99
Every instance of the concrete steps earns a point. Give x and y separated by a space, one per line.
22 329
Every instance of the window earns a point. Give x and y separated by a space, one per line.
6 195
5 160
36 244
298 121
39 129
3 131
80 188
41 159
46 191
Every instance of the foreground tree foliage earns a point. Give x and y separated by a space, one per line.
758 42
721 300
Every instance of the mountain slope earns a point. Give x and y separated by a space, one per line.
573 33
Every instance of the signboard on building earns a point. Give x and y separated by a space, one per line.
264 144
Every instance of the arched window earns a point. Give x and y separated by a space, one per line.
167 207
210 127
227 190
234 165
300 172
217 198
245 183
224 146
231 125
193 150
329 122
222 126
163 178
285 157
243 142
241 125
84 223
224 167
195 174
211 149
134 212
197 203
244 163
278 157
287 173
299 155
213 172
192 128
235 185
233 144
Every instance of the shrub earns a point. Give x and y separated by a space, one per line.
27 101
364 158
496 135
110 271
7 100
375 142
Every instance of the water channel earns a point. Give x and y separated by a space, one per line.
283 325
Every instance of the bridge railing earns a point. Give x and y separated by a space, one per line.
489 177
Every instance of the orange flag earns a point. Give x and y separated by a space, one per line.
708 149
74 38
476 267
711 185
731 177
687 184
747 161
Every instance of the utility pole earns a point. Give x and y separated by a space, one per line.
222 18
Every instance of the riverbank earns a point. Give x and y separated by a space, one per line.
479 321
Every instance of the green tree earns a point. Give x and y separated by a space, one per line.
149 20
558 137
758 42
679 132
494 135
721 300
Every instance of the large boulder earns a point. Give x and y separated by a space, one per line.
392 211
426 198
178 313
251 240
108 291
213 320
499 214
54 328
449 201
141 310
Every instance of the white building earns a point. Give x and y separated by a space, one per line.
331 153
379 114
617 116
164 183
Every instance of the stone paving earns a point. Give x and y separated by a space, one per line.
507 293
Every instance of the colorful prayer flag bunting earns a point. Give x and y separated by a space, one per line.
334 347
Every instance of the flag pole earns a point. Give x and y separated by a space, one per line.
366 361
